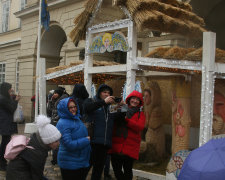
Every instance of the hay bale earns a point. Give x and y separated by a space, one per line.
177 53
191 54
194 55
158 52
220 55
167 9
178 4
158 21
57 68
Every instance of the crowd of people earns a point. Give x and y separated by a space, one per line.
115 134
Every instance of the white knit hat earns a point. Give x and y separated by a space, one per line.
47 131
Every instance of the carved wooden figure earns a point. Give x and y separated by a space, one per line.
155 136
219 109
181 116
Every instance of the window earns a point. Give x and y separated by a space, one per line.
23 4
2 72
5 15
17 76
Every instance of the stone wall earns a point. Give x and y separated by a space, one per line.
62 16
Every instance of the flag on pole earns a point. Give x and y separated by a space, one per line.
45 16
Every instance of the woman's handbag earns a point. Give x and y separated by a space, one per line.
18 114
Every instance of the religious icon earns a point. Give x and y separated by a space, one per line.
109 42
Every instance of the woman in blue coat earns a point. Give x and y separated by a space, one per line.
74 149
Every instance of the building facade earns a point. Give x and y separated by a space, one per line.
10 39
18 43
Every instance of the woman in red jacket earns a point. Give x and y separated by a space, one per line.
127 137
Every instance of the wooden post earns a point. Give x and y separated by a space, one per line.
88 63
207 91
181 117
131 57
42 86
145 48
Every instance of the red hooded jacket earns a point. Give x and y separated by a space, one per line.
128 142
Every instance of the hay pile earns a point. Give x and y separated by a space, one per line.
191 54
170 16
177 53
95 63
78 77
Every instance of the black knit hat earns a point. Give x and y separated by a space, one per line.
59 92
104 87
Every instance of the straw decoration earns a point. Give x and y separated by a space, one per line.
81 21
178 53
169 16
175 12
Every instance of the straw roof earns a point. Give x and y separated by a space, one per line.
81 21
178 53
161 15
78 77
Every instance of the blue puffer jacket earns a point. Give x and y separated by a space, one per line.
74 149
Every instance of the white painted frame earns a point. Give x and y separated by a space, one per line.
207 93
129 67
42 86
64 72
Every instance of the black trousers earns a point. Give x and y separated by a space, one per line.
107 165
79 174
122 166
54 156
5 141
97 161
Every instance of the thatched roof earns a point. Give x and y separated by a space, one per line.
161 15
191 54
78 77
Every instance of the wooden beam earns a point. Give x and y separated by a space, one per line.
108 69
220 68
179 64
88 62
64 72
207 91
109 26
131 58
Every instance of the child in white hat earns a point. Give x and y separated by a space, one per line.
29 164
